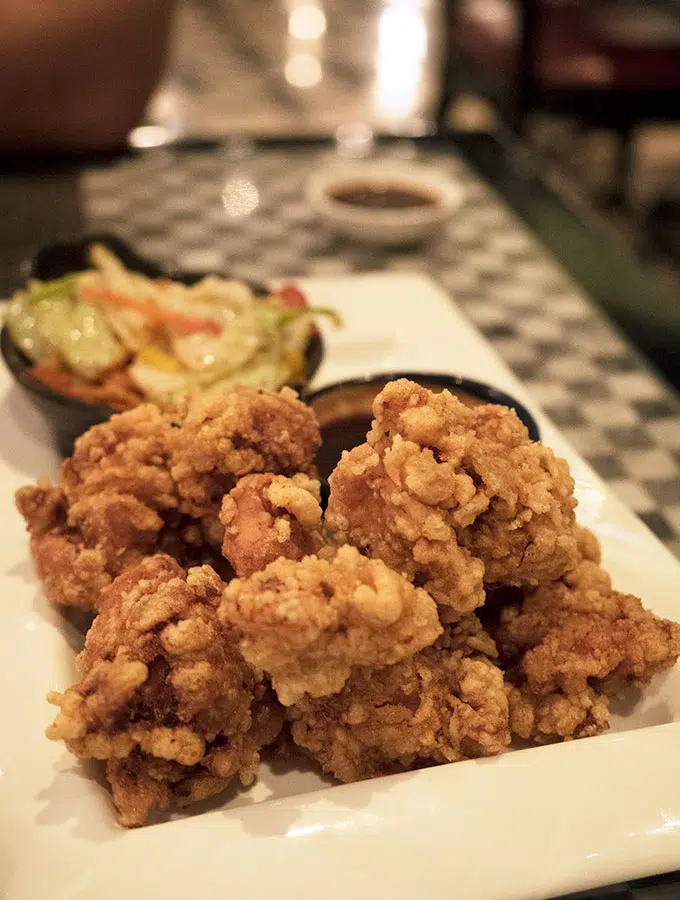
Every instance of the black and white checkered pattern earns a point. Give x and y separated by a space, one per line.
583 373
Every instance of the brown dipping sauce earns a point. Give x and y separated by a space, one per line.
383 196
345 417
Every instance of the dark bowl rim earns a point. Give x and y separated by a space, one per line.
31 267
480 389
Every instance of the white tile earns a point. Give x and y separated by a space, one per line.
666 432
605 413
511 241
485 314
191 232
587 440
514 351
652 465
633 495
569 308
635 385
573 368
328 266
459 280
549 393
484 261
540 328
408 263
515 295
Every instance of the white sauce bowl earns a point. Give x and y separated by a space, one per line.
390 226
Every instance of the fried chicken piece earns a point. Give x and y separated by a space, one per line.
387 506
118 502
129 455
243 431
556 716
164 695
307 623
587 573
115 498
442 474
441 705
269 516
78 551
566 649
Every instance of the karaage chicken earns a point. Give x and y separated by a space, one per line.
164 695
457 486
441 705
268 516
567 649
446 602
145 482
243 431
307 623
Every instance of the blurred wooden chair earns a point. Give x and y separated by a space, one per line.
610 64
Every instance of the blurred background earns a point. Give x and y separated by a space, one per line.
592 88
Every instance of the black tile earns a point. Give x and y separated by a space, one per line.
657 409
499 330
666 493
590 390
658 523
566 416
629 437
607 466
625 362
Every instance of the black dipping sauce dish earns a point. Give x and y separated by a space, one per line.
344 409
70 417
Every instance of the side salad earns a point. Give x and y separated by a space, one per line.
113 336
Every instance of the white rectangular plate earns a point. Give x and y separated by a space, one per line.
529 824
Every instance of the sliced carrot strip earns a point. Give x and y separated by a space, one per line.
181 323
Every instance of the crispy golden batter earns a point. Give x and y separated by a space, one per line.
164 695
587 573
307 623
441 705
129 455
118 502
110 510
243 431
556 716
566 649
453 496
78 551
387 506
269 516
568 639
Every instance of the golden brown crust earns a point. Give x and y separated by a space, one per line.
129 454
243 431
440 705
453 495
164 694
269 516
307 623
380 504
118 501
551 717
569 645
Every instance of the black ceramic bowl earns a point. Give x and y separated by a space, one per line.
69 417
344 408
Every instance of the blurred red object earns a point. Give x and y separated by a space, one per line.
77 74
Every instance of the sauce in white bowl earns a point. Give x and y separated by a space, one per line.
387 202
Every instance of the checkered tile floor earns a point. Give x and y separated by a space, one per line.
579 368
